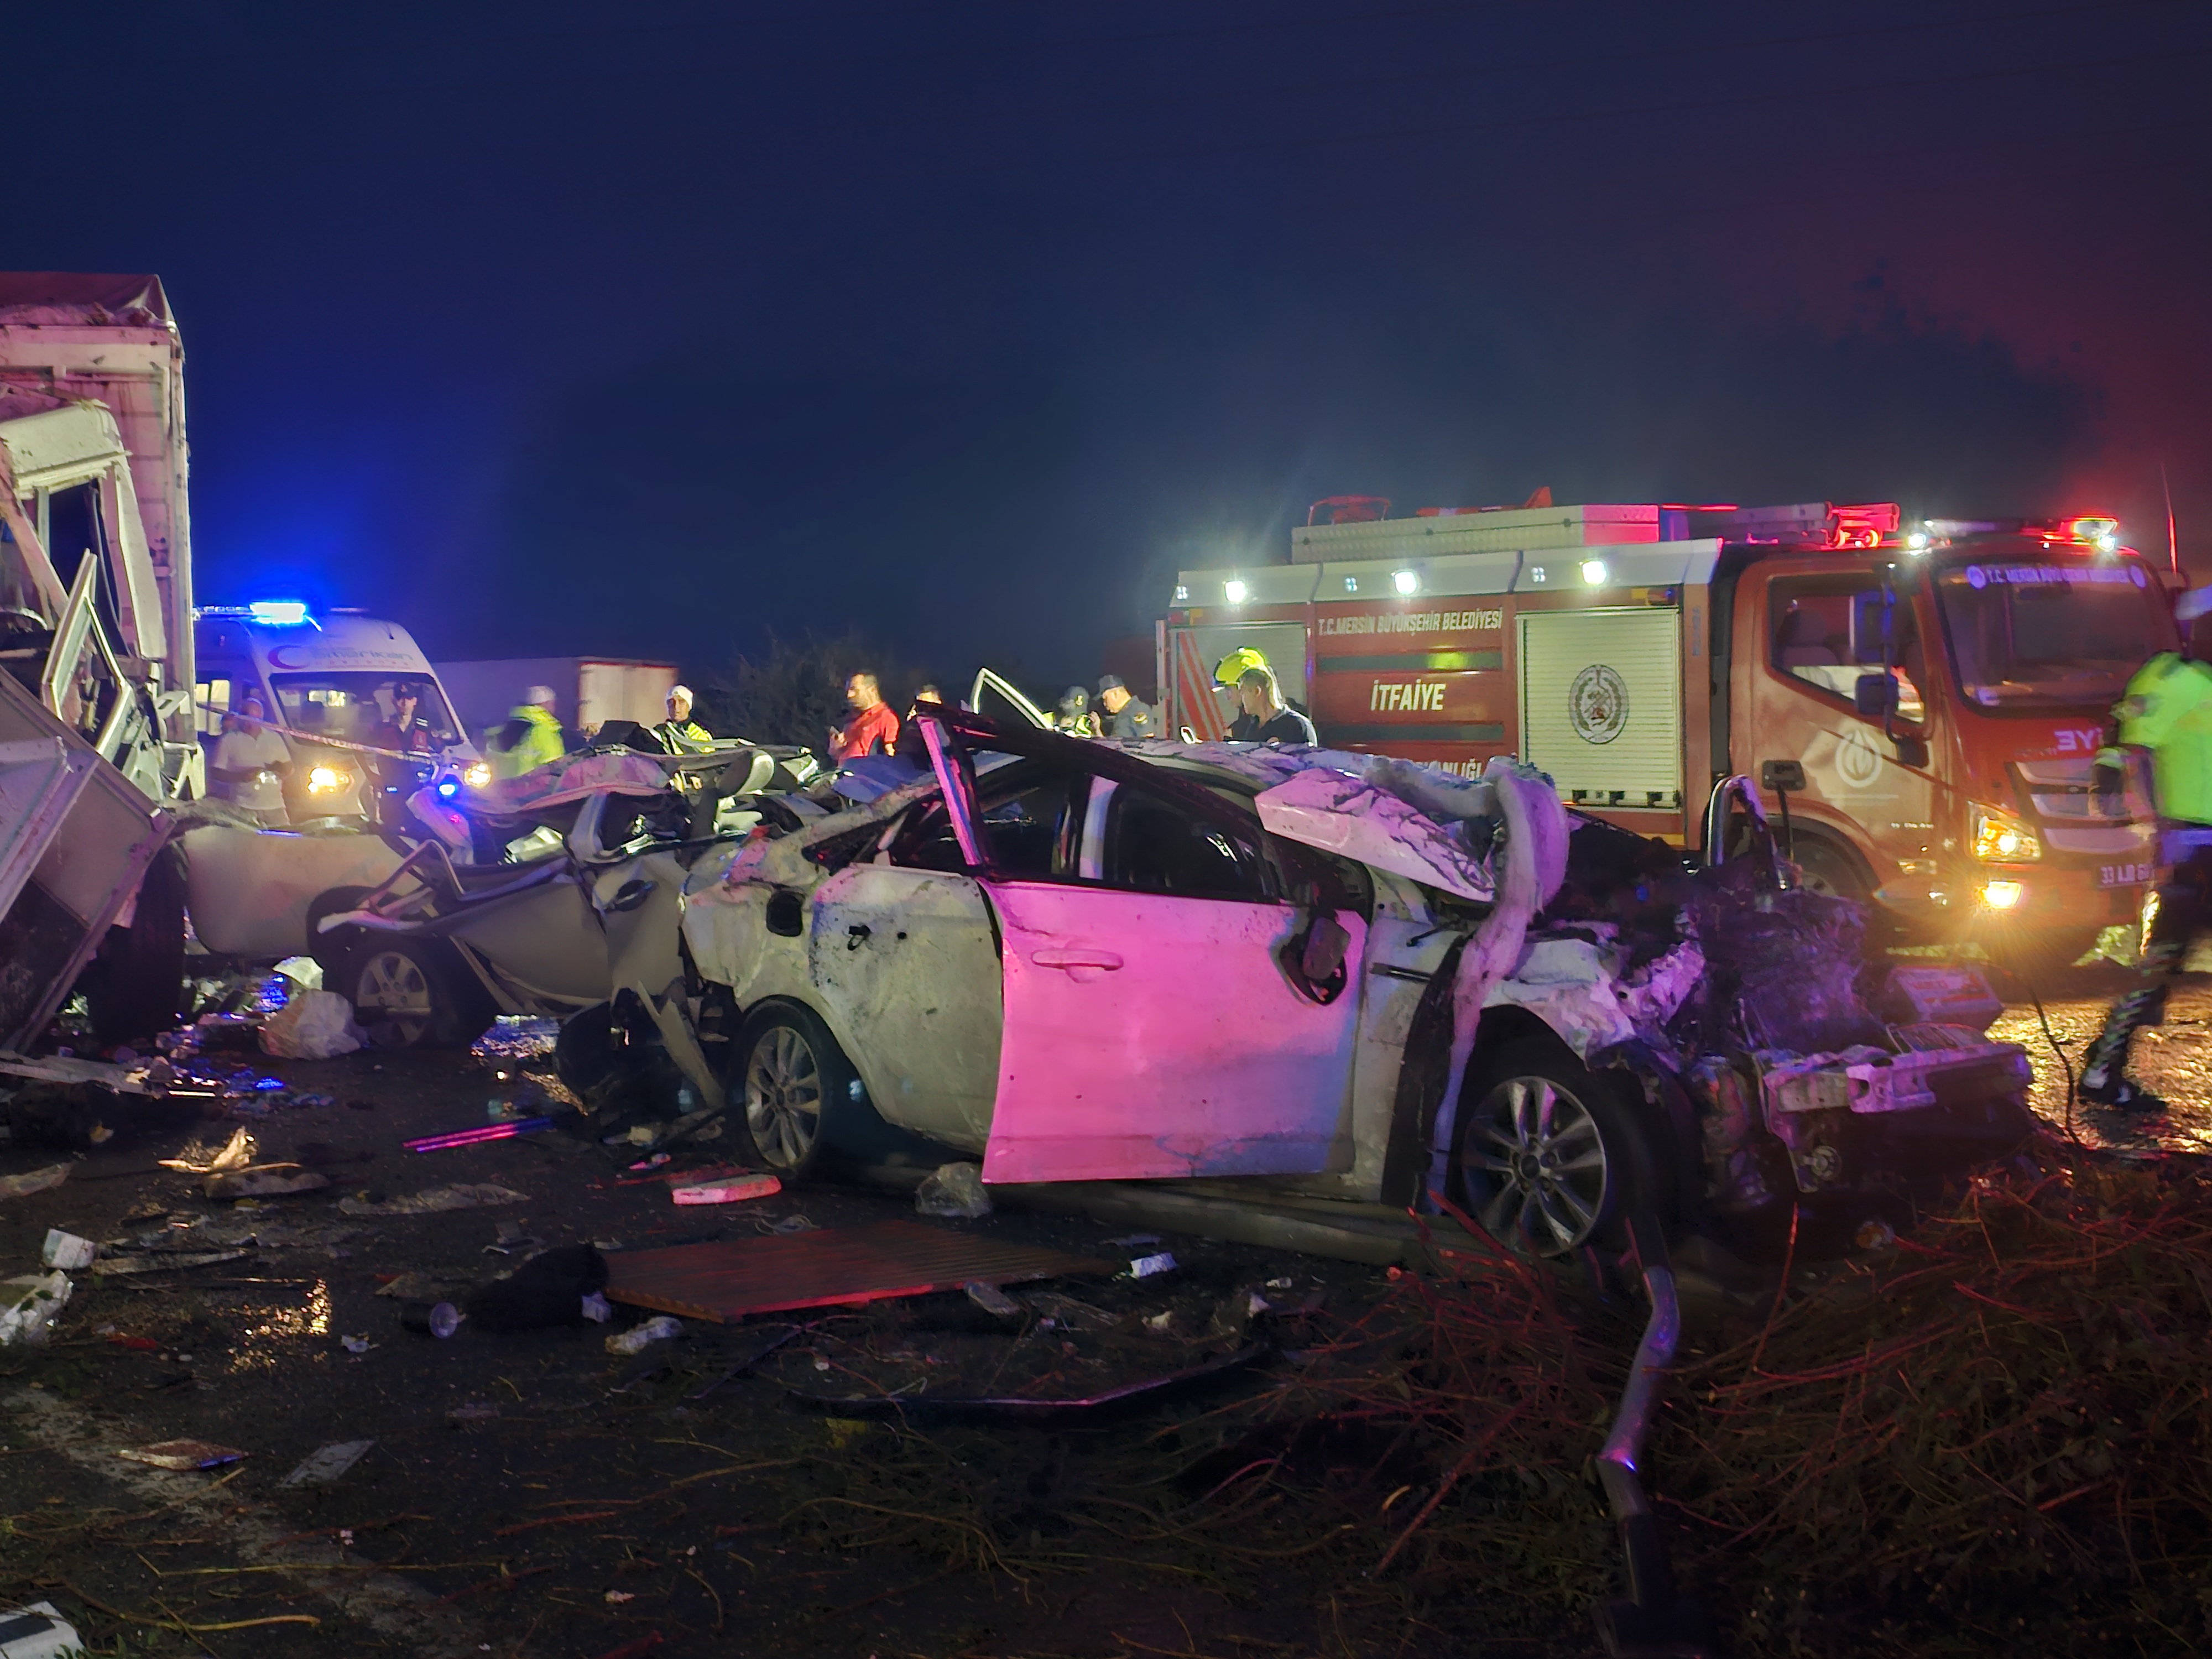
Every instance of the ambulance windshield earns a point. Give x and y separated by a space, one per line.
2051 633
362 709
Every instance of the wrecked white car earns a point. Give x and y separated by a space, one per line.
1298 974
542 894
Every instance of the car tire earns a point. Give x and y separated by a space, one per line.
411 994
1833 873
136 983
788 1084
1547 1157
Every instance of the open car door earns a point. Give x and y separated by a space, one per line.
995 698
1155 1024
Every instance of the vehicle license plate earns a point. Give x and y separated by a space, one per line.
2123 875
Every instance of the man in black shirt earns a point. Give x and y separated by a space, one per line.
1265 716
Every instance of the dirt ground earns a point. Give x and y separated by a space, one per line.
533 1495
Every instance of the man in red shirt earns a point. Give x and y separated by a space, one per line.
872 728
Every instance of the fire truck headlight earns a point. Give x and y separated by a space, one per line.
1916 542
1405 581
327 779
2000 837
1234 591
1594 573
2003 895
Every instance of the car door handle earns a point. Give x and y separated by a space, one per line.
1076 959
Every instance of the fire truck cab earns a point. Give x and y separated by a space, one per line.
1926 702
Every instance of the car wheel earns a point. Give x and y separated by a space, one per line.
1547 1157
408 994
137 983
789 1081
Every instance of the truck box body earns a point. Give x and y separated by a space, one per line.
588 691
75 840
67 338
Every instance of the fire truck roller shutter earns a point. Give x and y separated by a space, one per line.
1600 703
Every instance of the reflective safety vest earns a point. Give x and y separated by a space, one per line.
537 741
2168 711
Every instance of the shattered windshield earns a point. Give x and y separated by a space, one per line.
362 708
2035 634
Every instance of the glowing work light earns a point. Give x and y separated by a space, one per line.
1235 591
1405 581
1594 573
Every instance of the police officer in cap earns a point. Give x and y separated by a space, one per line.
1125 715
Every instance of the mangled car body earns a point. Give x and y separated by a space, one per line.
1300 973
544 895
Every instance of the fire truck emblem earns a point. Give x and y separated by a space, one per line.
1597 704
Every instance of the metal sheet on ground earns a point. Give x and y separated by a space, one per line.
825 1266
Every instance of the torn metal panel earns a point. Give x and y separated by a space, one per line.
1357 819
1014 1408
824 1267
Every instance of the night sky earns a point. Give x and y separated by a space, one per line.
646 330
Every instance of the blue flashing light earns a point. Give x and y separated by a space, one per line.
449 788
278 613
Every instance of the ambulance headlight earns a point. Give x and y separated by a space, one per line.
328 780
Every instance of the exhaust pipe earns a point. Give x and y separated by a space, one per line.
1652 1619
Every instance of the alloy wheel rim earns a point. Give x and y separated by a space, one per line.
1535 1166
393 987
783 1096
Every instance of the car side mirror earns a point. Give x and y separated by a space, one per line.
1321 958
1874 696
631 895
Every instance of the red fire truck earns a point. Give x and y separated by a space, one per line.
1928 700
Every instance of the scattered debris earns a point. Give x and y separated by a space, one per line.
438 1318
37 1631
326 1463
312 1025
159 1262
506 1131
355 1344
236 1154
639 1337
28 1304
990 1299
435 1200
729 1191
752 1357
182 1455
417 1287
263 1181
597 1308
1130 1241
1147 1267
35 1181
67 1251
512 1235
820 1266
1150 1391
549 1289
955 1193
472 1411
